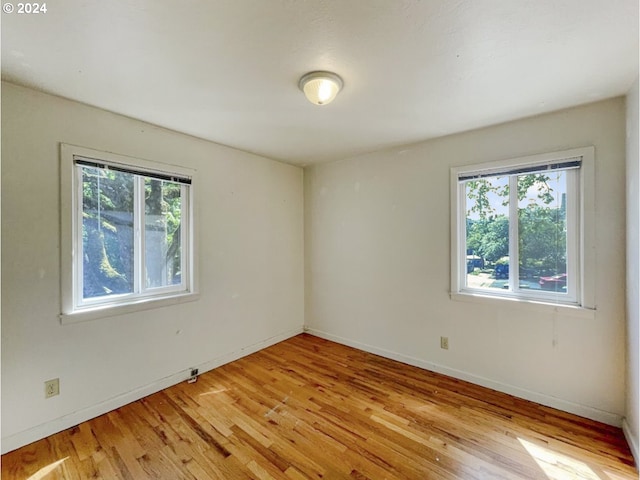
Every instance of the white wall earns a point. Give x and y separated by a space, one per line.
376 234
251 268
377 246
632 420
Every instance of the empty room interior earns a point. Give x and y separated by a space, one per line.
280 239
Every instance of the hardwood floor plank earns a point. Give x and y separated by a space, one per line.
308 408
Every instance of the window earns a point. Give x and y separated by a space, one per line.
518 228
127 231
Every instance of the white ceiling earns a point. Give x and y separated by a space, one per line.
227 70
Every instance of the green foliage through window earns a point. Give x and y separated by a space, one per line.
541 232
111 241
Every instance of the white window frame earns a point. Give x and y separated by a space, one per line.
580 233
74 307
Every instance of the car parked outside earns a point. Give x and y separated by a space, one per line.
555 283
473 262
501 270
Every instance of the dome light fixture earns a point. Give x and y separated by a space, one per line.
320 88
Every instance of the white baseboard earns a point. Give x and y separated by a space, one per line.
30 435
632 441
584 411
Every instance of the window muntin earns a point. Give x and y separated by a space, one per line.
518 230
132 232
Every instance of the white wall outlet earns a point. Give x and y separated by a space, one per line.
52 388
444 343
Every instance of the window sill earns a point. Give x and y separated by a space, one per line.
533 305
103 311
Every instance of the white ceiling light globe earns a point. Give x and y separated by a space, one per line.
320 88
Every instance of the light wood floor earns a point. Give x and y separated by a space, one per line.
309 408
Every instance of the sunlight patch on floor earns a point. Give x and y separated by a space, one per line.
615 476
558 466
44 471
213 392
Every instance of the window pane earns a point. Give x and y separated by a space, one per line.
487 233
107 232
163 248
542 227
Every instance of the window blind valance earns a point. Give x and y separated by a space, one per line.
566 164
87 162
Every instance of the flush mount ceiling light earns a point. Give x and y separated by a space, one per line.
320 88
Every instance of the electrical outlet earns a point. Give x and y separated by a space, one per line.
194 376
52 388
444 343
